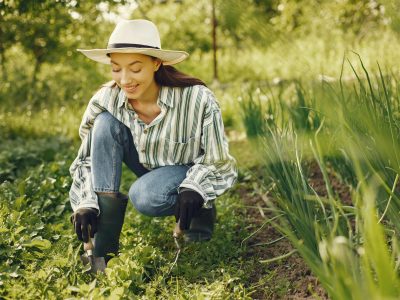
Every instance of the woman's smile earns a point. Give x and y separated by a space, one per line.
131 88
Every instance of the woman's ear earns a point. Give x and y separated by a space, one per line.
157 64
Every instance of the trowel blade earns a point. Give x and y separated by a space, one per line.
97 264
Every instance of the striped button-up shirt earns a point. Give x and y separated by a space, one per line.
188 131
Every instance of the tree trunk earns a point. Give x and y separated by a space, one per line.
4 76
214 39
32 86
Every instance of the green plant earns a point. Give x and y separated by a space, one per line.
253 115
350 247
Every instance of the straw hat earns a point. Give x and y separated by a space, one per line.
135 36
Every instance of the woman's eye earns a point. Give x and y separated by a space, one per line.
118 70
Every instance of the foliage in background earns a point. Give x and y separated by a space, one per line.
257 40
253 115
37 35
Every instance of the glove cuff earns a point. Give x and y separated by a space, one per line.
72 216
185 192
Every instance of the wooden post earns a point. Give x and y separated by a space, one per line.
214 40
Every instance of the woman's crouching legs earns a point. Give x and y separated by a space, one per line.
155 194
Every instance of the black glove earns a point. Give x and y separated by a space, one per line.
82 218
187 206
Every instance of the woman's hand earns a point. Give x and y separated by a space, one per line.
188 205
85 220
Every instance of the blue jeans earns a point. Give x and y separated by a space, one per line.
155 192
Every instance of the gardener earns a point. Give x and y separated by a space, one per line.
165 126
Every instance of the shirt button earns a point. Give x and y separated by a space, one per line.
143 150
145 131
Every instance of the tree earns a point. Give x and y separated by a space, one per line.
8 27
48 29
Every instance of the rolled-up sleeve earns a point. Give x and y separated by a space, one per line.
215 170
81 193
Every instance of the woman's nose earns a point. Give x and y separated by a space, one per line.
125 78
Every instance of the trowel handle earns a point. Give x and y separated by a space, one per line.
177 230
89 245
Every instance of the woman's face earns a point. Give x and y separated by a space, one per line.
134 73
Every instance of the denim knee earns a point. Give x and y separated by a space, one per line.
107 127
151 201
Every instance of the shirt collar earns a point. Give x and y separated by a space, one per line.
122 99
166 96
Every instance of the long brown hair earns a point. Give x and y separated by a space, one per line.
170 76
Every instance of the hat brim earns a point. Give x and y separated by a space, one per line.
169 57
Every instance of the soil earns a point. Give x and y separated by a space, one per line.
317 182
288 278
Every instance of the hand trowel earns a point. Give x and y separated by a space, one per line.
95 264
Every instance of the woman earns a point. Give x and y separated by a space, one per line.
165 126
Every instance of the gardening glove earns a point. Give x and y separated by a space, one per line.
187 206
82 218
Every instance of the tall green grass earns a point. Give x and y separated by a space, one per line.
352 134
253 115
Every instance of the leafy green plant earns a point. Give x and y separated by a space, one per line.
39 252
304 116
252 116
